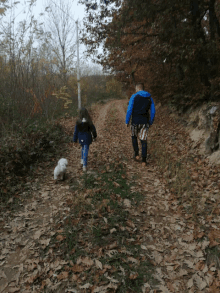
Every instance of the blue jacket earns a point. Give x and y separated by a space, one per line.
139 105
84 132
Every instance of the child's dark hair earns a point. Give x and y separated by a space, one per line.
83 113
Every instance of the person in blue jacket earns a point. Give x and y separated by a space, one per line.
140 104
85 132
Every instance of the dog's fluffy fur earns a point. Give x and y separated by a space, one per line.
60 169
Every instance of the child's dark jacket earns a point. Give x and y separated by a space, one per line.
84 132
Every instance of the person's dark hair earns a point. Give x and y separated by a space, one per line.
140 85
83 113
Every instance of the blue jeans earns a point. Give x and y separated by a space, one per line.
84 152
136 149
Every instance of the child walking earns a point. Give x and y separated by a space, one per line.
85 132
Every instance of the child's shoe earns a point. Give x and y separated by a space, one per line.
84 168
82 161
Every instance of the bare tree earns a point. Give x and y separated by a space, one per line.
61 26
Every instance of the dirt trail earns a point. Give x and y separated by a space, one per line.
167 235
32 227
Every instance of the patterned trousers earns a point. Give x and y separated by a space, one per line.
140 130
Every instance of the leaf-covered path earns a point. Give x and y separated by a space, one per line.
159 246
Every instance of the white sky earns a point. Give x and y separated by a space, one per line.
78 10
21 10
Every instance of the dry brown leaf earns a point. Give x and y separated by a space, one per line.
189 263
182 272
110 253
12 290
113 230
75 277
213 235
200 266
62 275
98 264
60 237
31 279
190 283
60 231
132 259
133 276
112 245
37 234
130 224
85 260
116 184
77 269
170 287
188 238
103 289
201 284
164 289
157 256
127 203
46 282
44 242
86 286
2 275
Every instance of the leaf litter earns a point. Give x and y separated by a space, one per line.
157 228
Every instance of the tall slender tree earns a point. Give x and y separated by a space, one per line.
61 26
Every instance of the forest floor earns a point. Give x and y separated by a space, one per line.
120 226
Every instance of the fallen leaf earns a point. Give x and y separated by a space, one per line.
14 289
116 184
85 260
37 234
86 286
113 230
132 259
200 266
62 275
2 275
98 264
77 269
45 242
170 287
201 284
112 245
164 289
130 224
190 283
127 203
133 276
157 256
60 237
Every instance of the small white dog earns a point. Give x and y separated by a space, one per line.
60 169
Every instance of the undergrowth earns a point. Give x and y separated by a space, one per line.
21 154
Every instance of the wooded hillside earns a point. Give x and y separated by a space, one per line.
171 46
